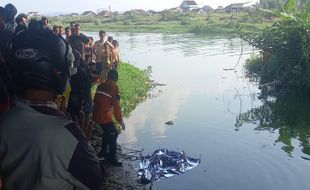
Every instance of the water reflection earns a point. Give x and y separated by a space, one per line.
288 116
204 94
154 114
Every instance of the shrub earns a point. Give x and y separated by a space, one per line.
185 21
287 42
254 64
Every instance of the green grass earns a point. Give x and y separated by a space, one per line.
134 85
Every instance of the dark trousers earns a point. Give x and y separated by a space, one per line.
115 66
109 137
98 68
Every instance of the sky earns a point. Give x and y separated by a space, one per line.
79 6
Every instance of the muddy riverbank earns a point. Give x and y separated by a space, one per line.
119 178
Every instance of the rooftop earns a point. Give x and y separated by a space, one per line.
189 2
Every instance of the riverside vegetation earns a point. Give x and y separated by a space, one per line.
172 22
283 67
283 70
284 62
134 85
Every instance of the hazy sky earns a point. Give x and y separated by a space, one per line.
68 6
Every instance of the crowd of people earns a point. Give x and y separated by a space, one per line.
47 110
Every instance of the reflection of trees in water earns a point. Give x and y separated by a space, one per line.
289 115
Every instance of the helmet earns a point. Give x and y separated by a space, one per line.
40 59
11 11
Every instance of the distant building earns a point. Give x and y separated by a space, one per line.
151 12
250 6
220 9
198 11
176 10
188 5
104 13
74 14
33 13
234 8
208 9
88 13
136 12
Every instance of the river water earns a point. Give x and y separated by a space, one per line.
244 142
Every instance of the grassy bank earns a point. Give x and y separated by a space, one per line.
134 85
171 22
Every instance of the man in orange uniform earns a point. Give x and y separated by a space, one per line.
107 105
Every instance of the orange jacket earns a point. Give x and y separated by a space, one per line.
107 103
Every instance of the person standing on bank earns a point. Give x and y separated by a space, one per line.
68 33
115 55
107 105
45 22
39 147
21 21
99 49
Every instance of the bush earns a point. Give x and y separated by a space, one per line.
287 43
185 21
169 16
254 64
97 22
